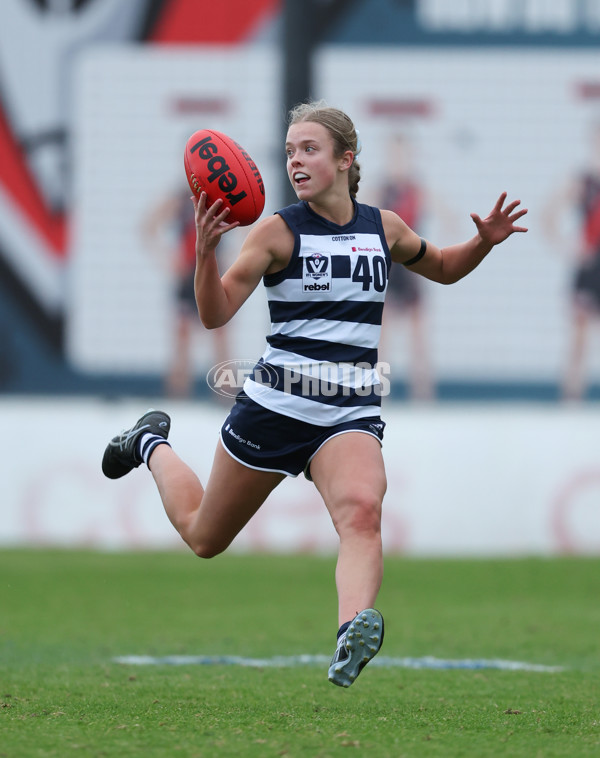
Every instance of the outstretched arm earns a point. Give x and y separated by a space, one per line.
449 264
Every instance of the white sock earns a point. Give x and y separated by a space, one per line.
147 445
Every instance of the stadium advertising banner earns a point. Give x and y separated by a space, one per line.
460 23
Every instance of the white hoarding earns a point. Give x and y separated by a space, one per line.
501 480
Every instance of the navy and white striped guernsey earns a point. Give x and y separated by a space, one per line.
326 308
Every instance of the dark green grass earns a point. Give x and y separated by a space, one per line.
64 616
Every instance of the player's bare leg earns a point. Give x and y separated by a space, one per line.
573 387
208 519
349 473
179 380
421 381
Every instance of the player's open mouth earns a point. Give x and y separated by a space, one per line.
300 178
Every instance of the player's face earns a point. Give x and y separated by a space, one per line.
311 164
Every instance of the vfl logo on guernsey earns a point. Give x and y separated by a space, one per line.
316 273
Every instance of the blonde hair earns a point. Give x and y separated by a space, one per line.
341 128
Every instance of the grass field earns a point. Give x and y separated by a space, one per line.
65 617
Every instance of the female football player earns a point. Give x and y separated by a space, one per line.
312 404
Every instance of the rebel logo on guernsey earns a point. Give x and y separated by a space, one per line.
316 273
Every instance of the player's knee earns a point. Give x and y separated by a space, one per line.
361 513
208 549
366 517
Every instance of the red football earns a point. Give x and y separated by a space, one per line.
217 165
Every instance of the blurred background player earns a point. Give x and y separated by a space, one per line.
581 194
401 190
170 232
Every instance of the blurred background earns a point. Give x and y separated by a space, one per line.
493 416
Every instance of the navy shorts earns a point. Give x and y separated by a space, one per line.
268 441
587 284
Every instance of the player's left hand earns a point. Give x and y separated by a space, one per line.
500 223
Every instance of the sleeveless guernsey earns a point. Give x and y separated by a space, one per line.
325 307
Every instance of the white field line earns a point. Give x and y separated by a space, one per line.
428 662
